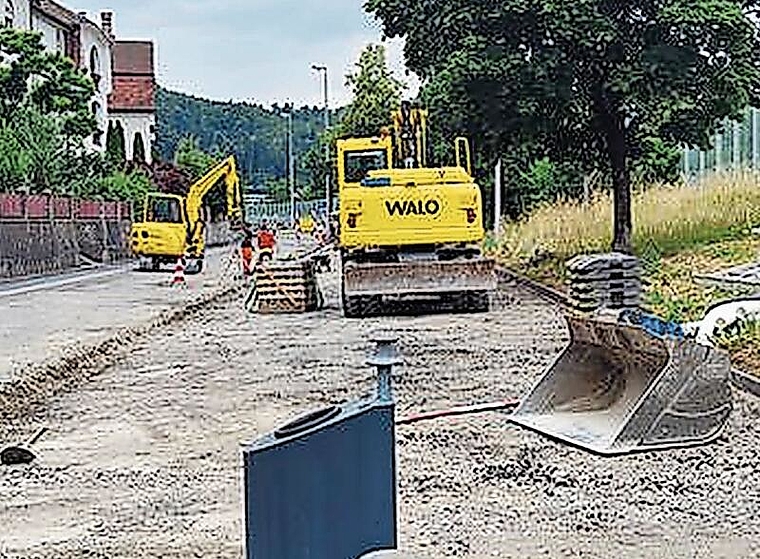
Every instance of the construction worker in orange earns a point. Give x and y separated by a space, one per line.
246 253
266 242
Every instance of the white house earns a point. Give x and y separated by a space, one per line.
132 105
123 71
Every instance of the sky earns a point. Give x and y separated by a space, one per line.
253 50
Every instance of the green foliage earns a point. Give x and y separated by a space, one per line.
125 186
138 149
375 94
50 82
256 135
196 162
278 188
34 158
44 118
590 83
190 158
115 145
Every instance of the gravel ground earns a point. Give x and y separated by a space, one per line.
145 461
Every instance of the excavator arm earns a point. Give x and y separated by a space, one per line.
227 170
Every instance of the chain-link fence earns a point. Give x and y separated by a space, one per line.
735 148
280 212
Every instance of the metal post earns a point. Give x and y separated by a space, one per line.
385 357
737 155
327 153
291 169
755 138
718 152
497 198
686 169
702 163
323 71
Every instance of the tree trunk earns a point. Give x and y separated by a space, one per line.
617 149
621 182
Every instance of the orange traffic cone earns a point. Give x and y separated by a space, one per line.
179 274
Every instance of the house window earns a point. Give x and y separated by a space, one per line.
9 14
60 44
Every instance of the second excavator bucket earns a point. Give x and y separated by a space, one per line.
620 388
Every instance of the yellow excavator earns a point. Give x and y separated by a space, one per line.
173 226
408 230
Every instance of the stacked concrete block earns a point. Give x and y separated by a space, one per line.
604 281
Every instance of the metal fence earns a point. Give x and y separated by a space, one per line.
735 148
280 212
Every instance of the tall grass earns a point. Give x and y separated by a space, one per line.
666 218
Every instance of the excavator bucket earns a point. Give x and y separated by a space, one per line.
620 388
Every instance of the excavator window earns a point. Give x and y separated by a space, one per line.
358 163
164 210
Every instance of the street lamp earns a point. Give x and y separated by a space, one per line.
323 70
291 166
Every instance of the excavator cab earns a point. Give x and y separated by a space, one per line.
162 234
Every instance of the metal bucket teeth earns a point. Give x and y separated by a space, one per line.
618 389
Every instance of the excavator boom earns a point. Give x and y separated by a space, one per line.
173 226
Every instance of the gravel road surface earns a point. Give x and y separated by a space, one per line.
145 460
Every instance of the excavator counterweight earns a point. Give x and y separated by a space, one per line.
408 230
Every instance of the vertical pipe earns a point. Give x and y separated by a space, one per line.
686 163
718 151
755 138
497 198
327 154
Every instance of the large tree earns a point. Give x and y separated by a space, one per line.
594 82
50 83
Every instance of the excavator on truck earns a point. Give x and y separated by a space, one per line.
173 226
408 230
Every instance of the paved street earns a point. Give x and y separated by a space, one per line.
41 316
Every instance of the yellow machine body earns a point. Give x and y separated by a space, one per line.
173 226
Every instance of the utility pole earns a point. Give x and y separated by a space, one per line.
288 111
323 71
292 168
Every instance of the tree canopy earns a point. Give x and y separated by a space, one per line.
599 84
45 117
30 76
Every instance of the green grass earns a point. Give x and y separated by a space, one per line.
744 347
679 232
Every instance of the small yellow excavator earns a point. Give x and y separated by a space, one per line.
173 226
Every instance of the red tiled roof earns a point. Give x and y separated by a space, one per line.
132 93
133 58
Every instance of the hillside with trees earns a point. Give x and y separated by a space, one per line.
255 134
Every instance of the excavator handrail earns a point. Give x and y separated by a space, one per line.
461 140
